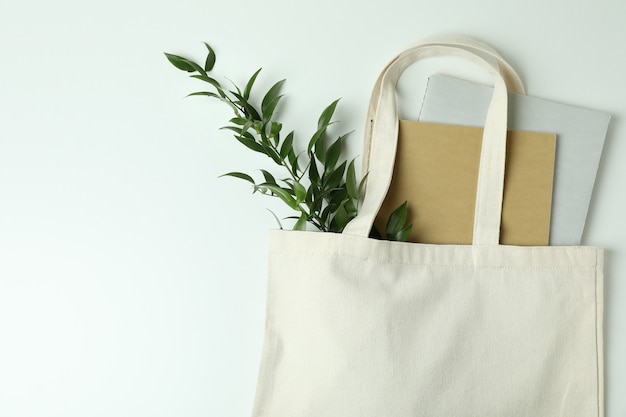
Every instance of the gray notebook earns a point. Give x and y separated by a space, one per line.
580 139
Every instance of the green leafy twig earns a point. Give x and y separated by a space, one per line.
318 185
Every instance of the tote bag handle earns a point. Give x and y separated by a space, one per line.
384 137
513 81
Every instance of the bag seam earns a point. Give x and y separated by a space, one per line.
505 267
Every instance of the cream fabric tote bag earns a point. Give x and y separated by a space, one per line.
358 327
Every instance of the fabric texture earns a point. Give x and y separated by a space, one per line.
358 327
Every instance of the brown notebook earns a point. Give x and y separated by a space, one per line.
436 171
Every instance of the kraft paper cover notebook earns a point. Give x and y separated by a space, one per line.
436 171
581 134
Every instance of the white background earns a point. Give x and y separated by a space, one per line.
132 279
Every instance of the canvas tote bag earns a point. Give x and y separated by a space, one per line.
357 327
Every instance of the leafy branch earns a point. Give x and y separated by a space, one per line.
317 184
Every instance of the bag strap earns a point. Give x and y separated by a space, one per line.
384 137
513 81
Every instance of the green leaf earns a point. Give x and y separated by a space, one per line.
314 175
270 101
293 161
318 138
203 93
300 192
209 80
336 176
403 234
185 64
317 143
269 178
251 144
241 121
181 63
272 93
332 154
240 175
274 132
210 58
327 115
287 145
268 109
301 223
249 84
396 223
341 218
281 193
351 184
351 208
362 184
